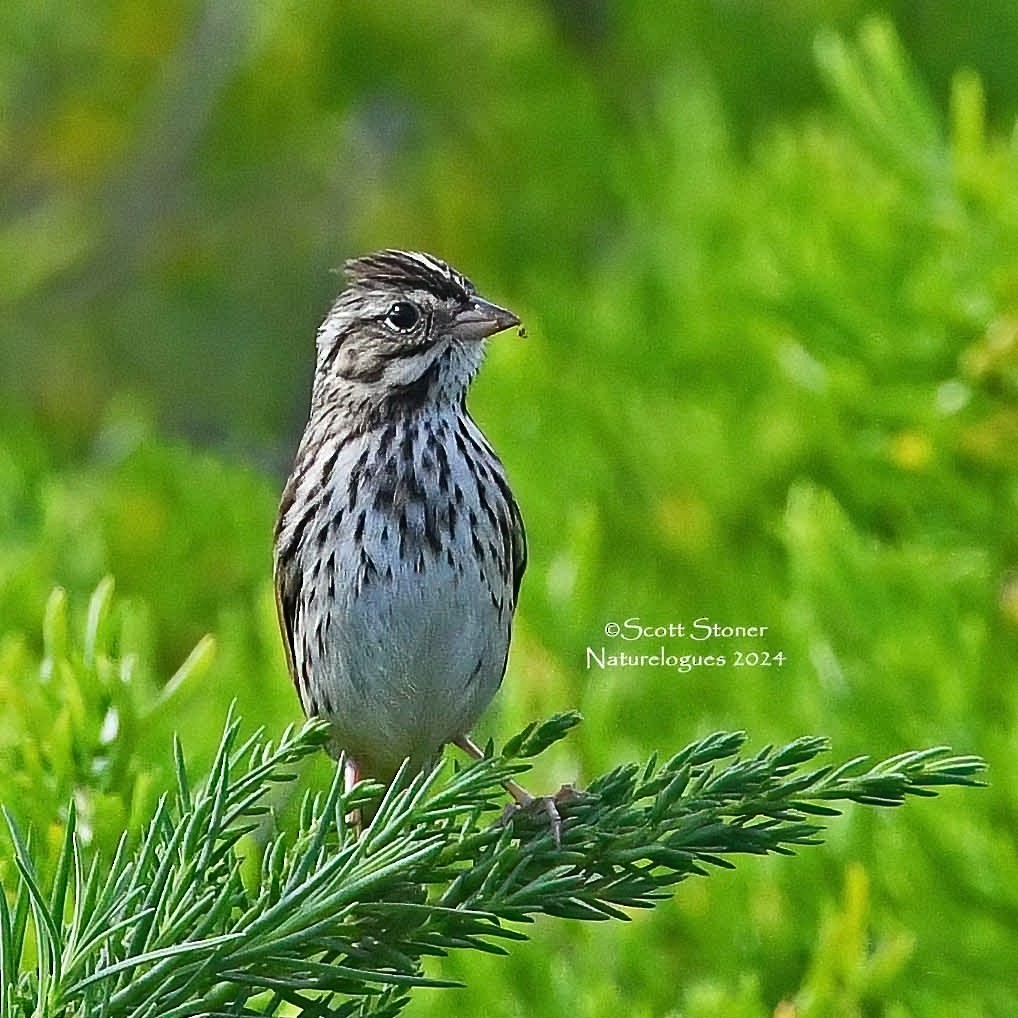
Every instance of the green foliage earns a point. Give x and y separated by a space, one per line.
155 508
172 929
103 720
86 718
771 380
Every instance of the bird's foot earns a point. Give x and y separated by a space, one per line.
535 805
524 801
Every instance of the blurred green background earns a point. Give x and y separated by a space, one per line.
767 255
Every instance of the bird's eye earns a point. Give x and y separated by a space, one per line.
403 316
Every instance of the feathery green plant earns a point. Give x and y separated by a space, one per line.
336 924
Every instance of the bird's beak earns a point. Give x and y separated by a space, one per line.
481 318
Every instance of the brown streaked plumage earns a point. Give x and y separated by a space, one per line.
399 547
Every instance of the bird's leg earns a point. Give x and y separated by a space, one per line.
524 800
351 775
518 792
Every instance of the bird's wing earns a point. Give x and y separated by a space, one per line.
519 548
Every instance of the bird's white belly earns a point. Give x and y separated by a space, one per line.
410 661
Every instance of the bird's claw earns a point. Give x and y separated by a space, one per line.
534 805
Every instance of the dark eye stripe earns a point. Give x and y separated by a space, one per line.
390 351
398 353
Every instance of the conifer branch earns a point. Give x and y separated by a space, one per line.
336 923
